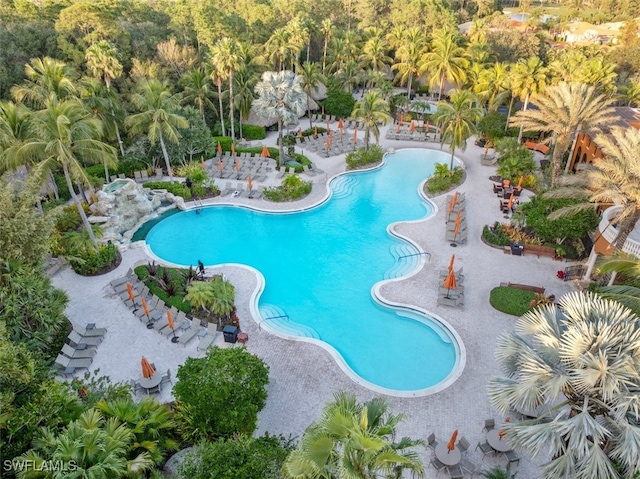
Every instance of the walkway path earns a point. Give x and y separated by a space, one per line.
303 377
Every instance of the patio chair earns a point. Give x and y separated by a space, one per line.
122 176
431 441
455 472
144 175
70 365
469 466
489 424
90 330
291 171
137 176
135 386
73 353
166 378
511 458
437 465
227 189
158 173
485 449
190 333
76 340
154 390
161 324
208 339
463 445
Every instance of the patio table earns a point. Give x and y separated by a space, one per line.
150 383
449 458
500 445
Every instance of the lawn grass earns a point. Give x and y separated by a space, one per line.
510 300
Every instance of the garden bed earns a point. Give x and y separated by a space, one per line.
511 300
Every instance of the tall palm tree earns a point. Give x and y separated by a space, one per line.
446 61
311 78
282 98
66 134
298 36
629 265
226 54
45 77
408 60
372 109
158 116
102 62
349 76
614 179
197 90
278 48
354 440
564 110
327 32
457 120
493 89
245 85
217 75
528 78
577 362
374 54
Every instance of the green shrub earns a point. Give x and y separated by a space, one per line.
130 163
292 188
97 171
90 263
338 103
495 235
253 132
61 185
363 157
511 300
444 179
177 189
225 142
176 277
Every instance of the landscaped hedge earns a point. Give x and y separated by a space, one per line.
225 142
253 132
510 300
177 189
100 262
362 157
292 188
444 179
495 235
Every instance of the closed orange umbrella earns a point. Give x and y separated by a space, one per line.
219 149
341 134
315 131
132 296
340 124
452 203
265 152
456 230
147 369
453 258
510 204
412 127
450 281
398 128
202 162
520 181
355 135
327 144
233 149
220 167
171 326
299 132
328 129
250 183
145 307
237 165
452 442
322 107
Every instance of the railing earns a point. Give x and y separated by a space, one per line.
610 232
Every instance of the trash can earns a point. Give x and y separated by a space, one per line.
230 334
517 249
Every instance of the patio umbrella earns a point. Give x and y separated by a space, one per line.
327 144
299 132
147 369
145 307
202 162
250 183
452 442
520 181
452 203
238 167
340 124
450 282
456 229
412 127
355 135
132 296
315 131
233 149
171 325
322 110
328 129
341 134
486 150
265 152
219 149
399 127
220 167
453 258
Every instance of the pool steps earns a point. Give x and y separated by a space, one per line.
276 317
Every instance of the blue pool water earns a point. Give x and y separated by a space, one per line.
321 264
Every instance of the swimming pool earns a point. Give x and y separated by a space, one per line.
320 266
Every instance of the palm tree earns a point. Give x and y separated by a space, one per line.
446 61
408 58
103 63
217 74
374 54
67 134
577 362
197 90
457 120
45 77
493 88
223 297
354 440
372 109
311 78
298 36
626 294
225 53
279 48
327 32
97 447
282 98
157 117
565 110
245 85
614 179
528 78
630 94
348 77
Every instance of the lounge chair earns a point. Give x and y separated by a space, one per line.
161 324
76 340
138 176
283 171
159 173
291 171
91 330
190 333
144 175
73 353
69 365
122 176
208 339
306 169
444 292
227 189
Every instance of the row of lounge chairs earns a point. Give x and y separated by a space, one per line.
140 176
240 191
184 331
459 207
79 349
451 297
406 135
337 146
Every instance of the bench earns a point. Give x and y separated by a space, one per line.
544 149
540 250
526 287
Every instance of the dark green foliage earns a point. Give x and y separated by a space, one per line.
253 132
514 159
292 188
128 164
168 284
220 394
444 179
195 140
510 300
177 189
576 226
362 157
338 103
495 235
492 125
225 142
61 185
90 263
241 457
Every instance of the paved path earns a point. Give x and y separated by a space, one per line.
303 377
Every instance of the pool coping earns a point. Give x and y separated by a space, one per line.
376 294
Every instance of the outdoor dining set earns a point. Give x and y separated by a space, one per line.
453 456
508 195
151 381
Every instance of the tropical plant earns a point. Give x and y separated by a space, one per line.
226 55
245 85
45 77
446 61
327 30
281 97
579 363
311 78
361 157
528 78
354 440
498 472
408 58
457 120
158 116
197 90
514 159
372 110
220 394
615 179
565 110
627 293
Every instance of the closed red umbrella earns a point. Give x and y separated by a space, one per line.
412 127
147 369
250 183
315 131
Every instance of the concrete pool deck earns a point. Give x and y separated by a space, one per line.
303 376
